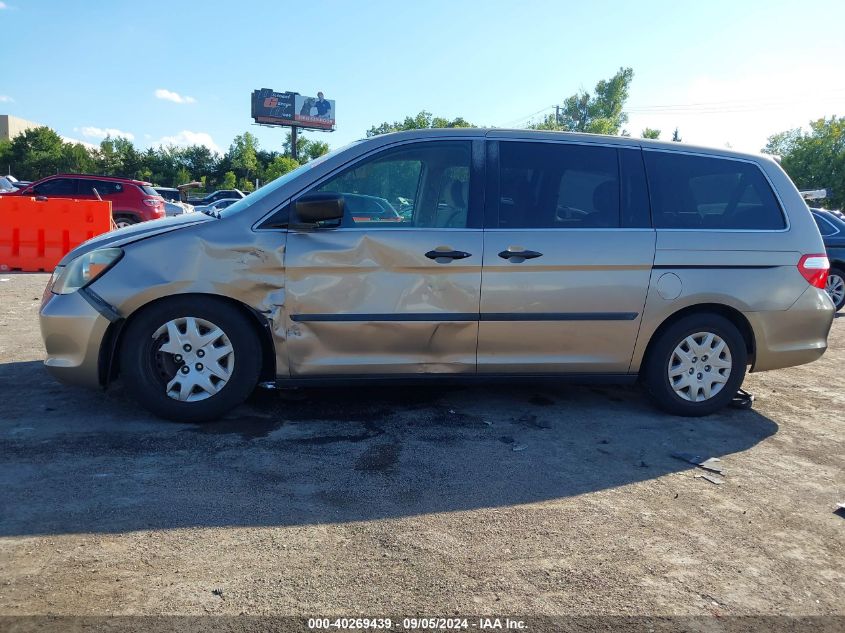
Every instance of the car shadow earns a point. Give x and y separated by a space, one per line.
78 461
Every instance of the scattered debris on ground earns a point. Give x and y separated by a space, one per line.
706 463
713 479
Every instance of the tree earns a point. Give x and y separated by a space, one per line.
36 153
118 157
77 159
229 180
599 113
814 159
423 120
676 136
243 156
279 167
5 157
198 159
306 149
182 176
315 149
650 133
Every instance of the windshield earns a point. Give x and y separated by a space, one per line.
281 181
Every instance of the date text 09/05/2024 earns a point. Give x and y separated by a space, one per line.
423 623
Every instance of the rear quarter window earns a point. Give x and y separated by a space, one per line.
825 228
710 193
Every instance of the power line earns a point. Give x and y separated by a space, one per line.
527 117
736 104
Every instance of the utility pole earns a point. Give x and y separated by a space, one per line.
557 115
293 154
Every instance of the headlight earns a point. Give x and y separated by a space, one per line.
84 269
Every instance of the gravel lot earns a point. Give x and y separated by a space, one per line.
524 500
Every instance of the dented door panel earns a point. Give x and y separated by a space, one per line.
371 302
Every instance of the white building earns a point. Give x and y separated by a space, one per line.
11 126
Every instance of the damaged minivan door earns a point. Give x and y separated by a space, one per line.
387 289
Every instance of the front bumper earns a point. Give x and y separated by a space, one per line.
73 332
785 338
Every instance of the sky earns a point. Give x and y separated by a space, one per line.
725 73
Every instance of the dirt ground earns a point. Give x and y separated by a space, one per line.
524 500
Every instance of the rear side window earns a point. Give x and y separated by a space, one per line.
103 187
148 190
825 228
701 192
558 186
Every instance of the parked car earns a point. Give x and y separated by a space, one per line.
603 258
177 208
170 194
220 194
370 209
132 201
215 207
9 184
832 227
173 204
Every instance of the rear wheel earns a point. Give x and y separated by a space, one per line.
190 359
696 365
835 287
121 221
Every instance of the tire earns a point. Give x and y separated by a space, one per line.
671 347
222 370
836 287
122 221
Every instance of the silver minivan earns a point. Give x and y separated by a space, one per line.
459 254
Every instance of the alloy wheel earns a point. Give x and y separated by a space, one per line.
835 288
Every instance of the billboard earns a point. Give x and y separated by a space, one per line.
290 108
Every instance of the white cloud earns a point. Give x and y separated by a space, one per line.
68 139
3 5
5 98
99 132
187 137
175 97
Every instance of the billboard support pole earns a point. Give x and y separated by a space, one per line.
293 153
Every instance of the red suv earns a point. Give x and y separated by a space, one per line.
132 201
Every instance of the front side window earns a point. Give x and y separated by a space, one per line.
702 192
56 187
422 185
558 186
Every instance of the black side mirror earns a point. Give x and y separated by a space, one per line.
316 209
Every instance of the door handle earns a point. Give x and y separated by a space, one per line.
435 254
520 254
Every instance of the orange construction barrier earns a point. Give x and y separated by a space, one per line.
36 233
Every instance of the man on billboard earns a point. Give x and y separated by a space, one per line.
323 107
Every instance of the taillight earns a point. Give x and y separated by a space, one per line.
814 269
153 202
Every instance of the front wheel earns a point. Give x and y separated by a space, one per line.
696 365
190 359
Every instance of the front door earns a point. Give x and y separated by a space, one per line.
567 258
395 288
